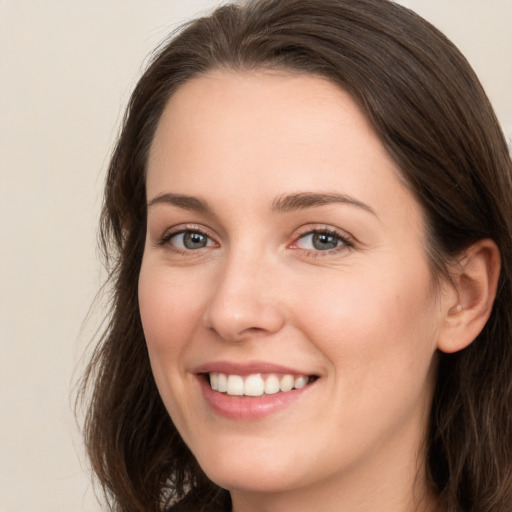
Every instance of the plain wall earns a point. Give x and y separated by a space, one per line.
66 71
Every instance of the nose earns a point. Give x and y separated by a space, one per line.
246 300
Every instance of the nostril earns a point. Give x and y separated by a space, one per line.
236 314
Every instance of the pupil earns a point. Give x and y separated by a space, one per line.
193 240
324 241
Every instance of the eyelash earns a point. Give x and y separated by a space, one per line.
166 238
344 242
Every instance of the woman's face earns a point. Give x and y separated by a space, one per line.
283 252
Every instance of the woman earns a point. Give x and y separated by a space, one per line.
307 221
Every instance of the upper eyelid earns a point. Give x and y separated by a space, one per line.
323 228
183 228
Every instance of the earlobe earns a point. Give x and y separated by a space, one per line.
475 281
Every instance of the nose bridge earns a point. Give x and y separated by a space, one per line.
245 301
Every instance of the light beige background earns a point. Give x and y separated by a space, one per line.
66 70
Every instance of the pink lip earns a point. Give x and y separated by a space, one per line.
253 367
245 407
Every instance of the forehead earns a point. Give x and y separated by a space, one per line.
261 134
231 107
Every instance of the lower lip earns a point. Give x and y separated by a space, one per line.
248 407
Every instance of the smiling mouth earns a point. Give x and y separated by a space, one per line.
257 384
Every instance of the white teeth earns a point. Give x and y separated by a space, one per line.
222 382
214 381
286 383
300 382
271 385
235 385
255 384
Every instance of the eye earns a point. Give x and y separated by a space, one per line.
189 240
321 240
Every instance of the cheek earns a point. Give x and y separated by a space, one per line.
170 313
158 309
378 329
379 341
170 308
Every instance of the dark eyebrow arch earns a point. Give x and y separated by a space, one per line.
303 200
181 201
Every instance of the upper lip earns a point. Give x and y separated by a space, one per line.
250 368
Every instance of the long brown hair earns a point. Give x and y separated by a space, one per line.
435 120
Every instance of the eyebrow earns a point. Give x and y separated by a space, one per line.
181 201
303 200
284 204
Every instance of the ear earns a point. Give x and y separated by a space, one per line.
469 304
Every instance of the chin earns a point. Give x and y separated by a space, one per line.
250 472
251 481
